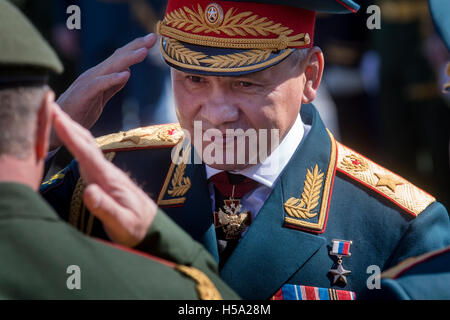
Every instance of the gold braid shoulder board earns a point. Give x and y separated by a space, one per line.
155 136
390 185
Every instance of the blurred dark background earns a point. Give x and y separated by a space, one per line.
381 93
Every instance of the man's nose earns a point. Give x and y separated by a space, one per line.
219 108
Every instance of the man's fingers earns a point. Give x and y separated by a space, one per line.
126 59
101 204
133 53
147 41
78 140
106 82
113 216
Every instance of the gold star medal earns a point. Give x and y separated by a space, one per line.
340 249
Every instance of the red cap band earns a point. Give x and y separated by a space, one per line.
240 25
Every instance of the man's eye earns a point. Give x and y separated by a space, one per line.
195 79
244 84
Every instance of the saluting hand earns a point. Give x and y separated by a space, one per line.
85 99
125 210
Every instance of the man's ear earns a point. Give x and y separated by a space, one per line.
44 124
314 65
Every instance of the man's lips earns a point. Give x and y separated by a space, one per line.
224 137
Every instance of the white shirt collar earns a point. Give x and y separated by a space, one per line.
269 170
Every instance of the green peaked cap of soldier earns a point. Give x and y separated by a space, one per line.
22 47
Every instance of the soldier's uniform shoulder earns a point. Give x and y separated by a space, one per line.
204 286
144 138
154 136
383 182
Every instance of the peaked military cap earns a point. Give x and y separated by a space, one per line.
222 37
25 56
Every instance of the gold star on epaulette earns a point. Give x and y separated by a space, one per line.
393 187
386 180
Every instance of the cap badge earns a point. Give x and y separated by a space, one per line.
214 14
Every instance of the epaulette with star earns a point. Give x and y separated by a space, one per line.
389 185
155 136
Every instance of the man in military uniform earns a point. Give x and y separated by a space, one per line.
43 257
306 220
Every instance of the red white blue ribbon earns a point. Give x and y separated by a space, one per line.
296 292
341 247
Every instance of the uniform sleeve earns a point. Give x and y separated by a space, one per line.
428 232
58 190
56 161
390 289
167 240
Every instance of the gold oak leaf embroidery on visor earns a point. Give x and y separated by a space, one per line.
237 59
185 24
177 51
303 208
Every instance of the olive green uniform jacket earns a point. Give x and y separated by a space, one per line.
43 257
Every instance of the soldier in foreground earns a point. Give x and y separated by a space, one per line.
40 251
307 220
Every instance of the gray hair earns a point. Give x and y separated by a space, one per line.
298 55
18 119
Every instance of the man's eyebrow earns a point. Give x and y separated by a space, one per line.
260 75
